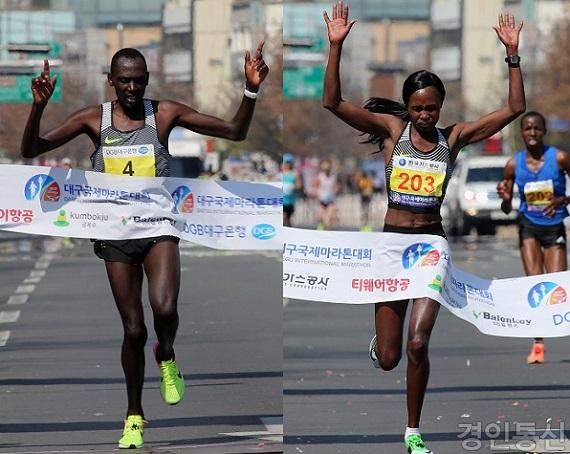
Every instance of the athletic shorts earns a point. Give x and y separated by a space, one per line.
546 235
431 229
132 252
288 209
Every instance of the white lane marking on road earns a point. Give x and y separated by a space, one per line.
32 280
42 265
9 316
274 425
25 288
4 336
18 299
273 432
38 273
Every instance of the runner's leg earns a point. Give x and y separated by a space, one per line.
533 262
422 319
532 257
126 285
555 259
162 267
389 321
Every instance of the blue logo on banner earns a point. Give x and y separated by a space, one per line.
263 231
42 186
546 293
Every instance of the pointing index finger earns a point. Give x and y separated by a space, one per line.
45 72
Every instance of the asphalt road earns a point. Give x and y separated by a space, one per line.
336 402
61 384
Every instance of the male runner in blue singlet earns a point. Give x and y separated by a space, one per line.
539 171
114 127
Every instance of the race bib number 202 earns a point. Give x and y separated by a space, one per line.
538 194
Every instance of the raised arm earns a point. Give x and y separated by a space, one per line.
356 116
255 72
505 187
32 144
465 133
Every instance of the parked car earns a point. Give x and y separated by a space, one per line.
472 199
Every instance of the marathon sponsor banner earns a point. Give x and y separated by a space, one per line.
76 203
364 268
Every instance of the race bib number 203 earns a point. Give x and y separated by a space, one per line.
418 176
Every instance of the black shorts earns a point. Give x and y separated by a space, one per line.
546 235
132 252
431 229
288 209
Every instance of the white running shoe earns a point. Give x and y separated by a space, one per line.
372 352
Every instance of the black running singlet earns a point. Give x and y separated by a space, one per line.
416 181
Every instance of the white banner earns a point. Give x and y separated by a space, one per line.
362 268
75 203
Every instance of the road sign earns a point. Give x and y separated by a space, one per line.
303 82
17 88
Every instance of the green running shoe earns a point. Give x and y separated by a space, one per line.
132 433
171 380
415 445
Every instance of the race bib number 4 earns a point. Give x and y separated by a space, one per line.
418 176
131 160
538 194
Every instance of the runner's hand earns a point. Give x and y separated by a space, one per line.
339 26
43 87
502 190
508 31
255 68
550 209
504 194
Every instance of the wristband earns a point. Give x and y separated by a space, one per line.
249 94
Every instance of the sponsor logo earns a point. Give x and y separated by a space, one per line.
500 319
183 199
436 283
101 217
143 149
263 231
109 141
61 220
402 162
305 281
42 186
546 294
420 254
558 319
149 220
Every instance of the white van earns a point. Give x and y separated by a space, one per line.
472 199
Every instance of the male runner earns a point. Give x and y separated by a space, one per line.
112 127
539 171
